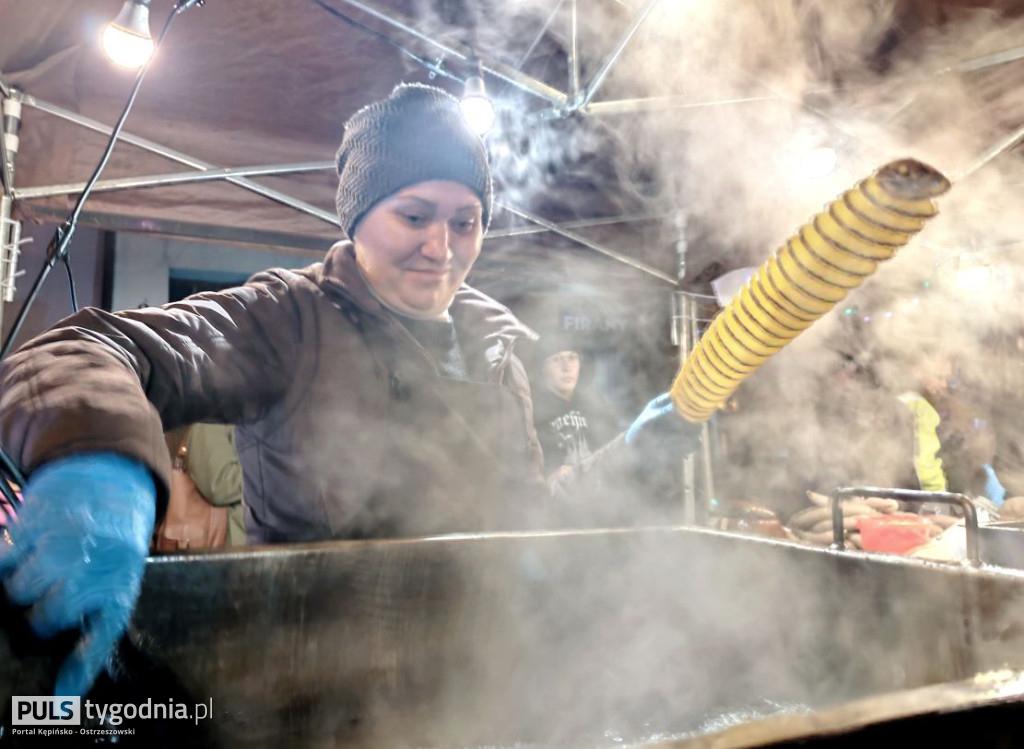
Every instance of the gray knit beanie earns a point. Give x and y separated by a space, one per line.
417 134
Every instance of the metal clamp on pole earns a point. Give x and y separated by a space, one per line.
682 337
10 249
9 139
906 495
10 230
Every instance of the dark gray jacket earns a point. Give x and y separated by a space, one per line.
345 429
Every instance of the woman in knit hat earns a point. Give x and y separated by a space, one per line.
374 394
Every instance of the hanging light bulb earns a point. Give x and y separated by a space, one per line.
973 272
819 162
973 279
126 40
476 107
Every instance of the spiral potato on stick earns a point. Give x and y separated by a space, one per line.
816 268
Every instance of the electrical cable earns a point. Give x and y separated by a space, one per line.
8 493
10 467
71 285
60 244
10 473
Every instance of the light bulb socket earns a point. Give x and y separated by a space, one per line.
475 88
134 18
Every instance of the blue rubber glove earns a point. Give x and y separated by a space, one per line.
77 553
993 488
660 432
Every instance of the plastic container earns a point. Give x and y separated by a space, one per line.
897 533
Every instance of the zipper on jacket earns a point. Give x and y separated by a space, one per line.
506 357
396 388
400 331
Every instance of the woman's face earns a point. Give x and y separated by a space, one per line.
416 246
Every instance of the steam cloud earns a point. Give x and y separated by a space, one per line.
748 90
745 92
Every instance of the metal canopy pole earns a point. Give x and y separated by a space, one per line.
306 207
701 509
579 239
657 103
989 154
987 61
10 109
179 157
540 35
586 223
499 69
177 178
10 230
8 246
685 336
682 336
574 60
588 93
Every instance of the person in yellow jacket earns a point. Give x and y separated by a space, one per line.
953 440
927 463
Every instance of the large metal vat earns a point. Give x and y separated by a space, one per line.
1003 543
554 639
985 711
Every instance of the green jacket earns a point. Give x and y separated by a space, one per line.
213 465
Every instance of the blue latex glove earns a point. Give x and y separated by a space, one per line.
77 555
660 432
993 488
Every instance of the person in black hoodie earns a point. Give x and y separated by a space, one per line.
570 422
